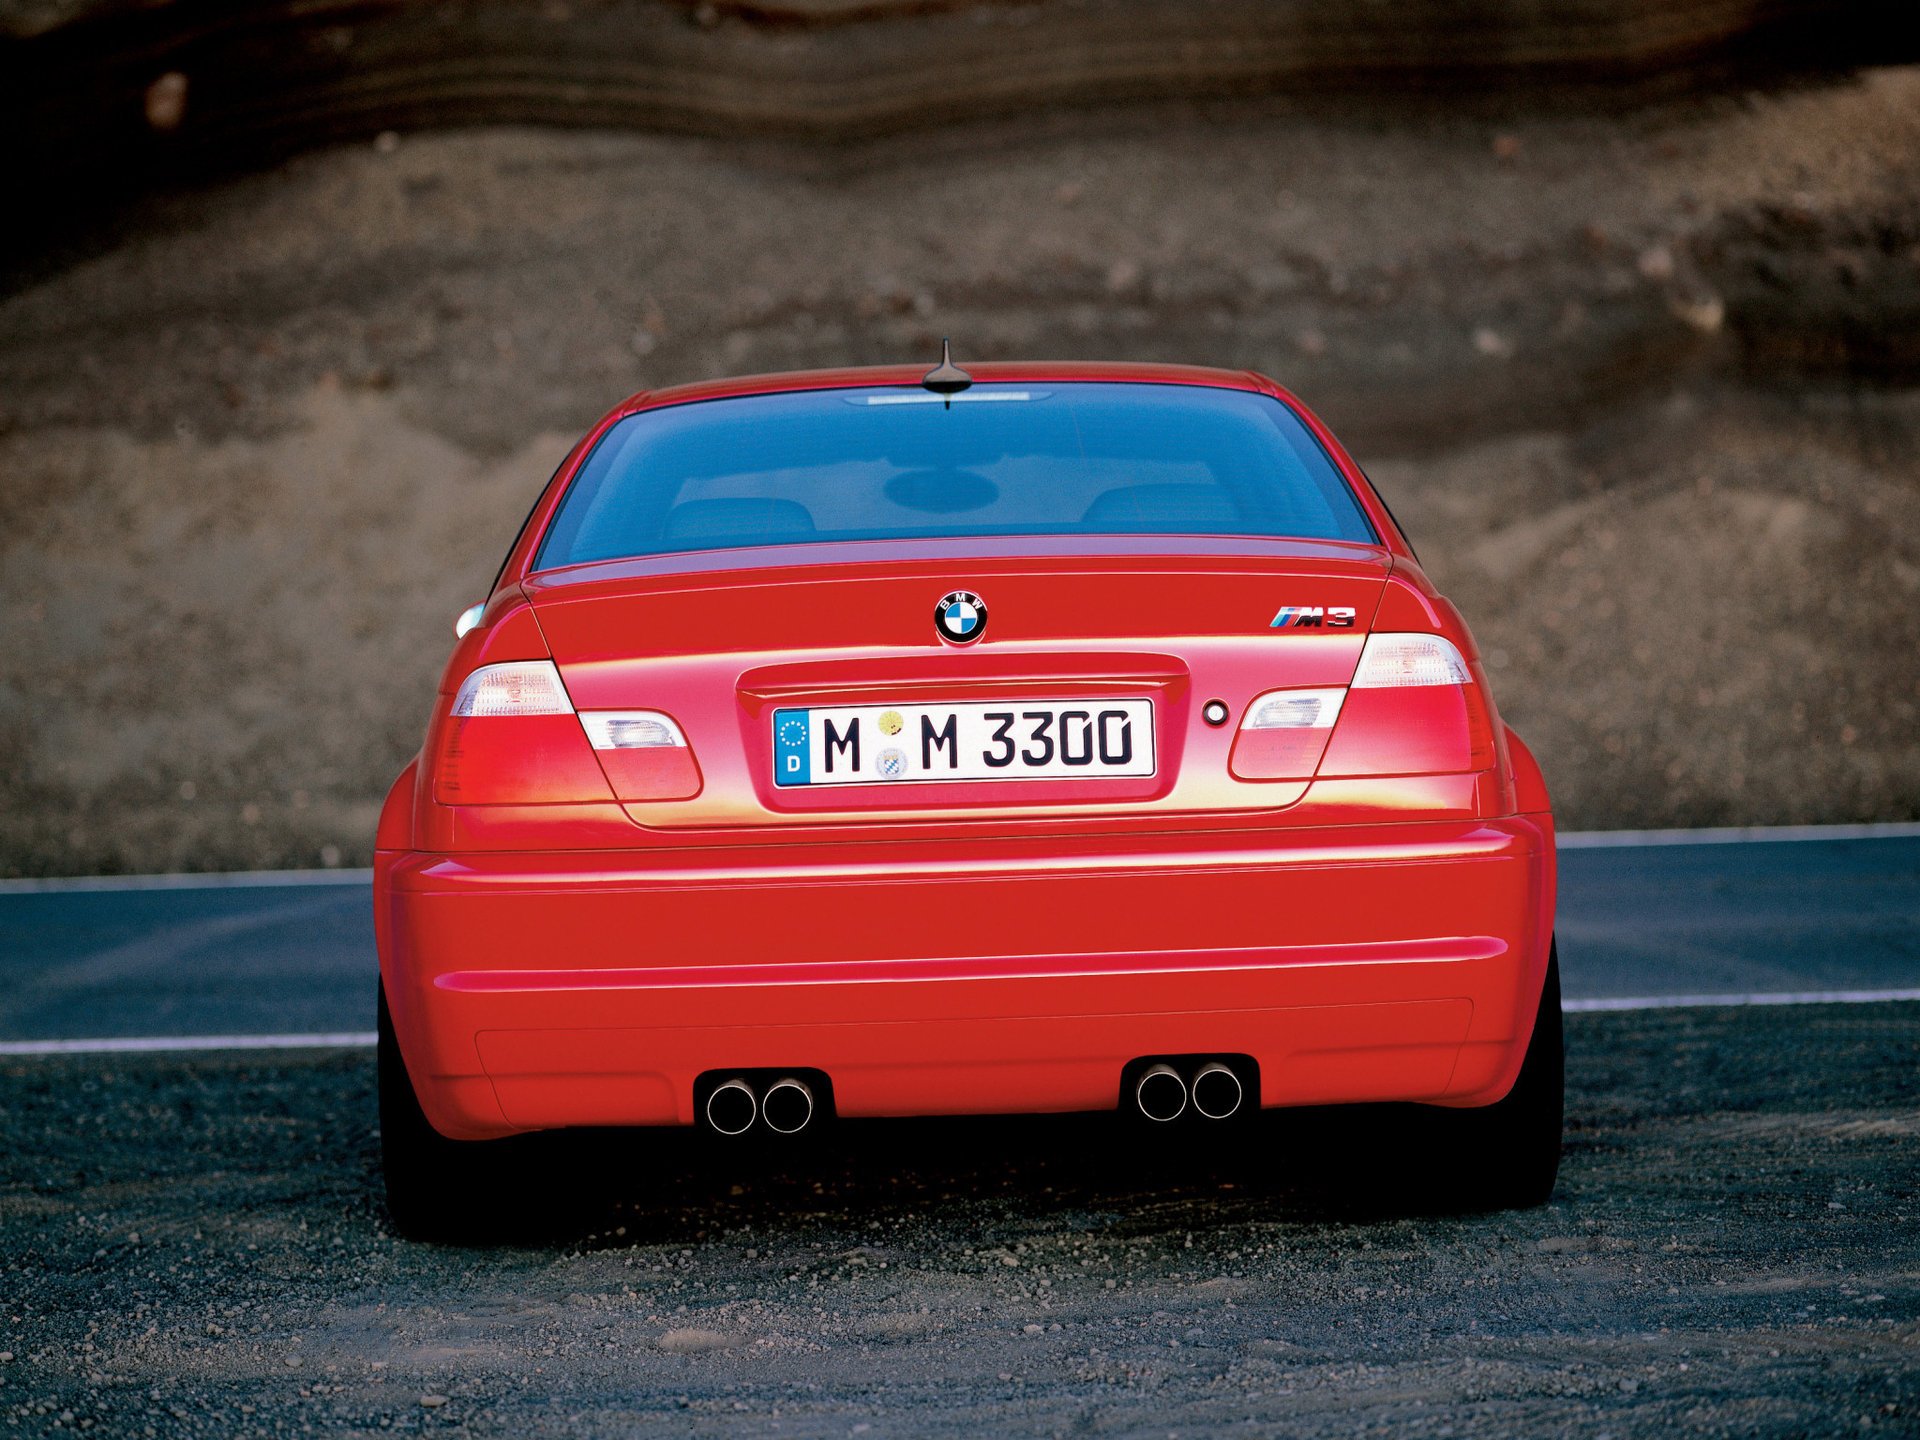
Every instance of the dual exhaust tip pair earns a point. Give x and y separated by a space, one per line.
785 1106
1163 1091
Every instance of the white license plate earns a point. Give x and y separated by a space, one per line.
1016 740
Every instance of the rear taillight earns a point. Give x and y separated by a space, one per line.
1402 662
510 738
524 687
1415 707
644 754
1283 734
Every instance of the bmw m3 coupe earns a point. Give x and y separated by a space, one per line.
1048 738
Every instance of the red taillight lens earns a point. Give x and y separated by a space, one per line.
1414 708
644 754
1283 733
510 737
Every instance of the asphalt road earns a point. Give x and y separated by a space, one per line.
194 1244
295 955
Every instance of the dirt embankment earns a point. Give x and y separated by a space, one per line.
127 92
1642 386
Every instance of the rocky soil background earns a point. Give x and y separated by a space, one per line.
1643 381
127 91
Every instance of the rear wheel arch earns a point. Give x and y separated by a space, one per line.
1507 1155
395 830
1529 781
438 1188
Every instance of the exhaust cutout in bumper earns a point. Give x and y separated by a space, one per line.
1211 1088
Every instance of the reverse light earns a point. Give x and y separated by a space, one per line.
522 687
631 730
1294 710
1394 662
1284 734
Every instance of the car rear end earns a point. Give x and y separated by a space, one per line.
960 755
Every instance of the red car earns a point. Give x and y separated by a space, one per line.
870 743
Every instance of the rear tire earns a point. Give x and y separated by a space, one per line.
1506 1156
450 1191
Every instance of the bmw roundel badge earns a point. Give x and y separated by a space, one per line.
961 618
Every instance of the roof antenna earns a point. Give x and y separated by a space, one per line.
946 378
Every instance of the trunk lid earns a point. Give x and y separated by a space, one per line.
720 642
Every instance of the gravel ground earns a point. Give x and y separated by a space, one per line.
196 1248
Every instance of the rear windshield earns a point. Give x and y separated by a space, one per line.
1062 459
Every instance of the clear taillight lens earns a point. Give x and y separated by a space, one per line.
1394 662
524 687
631 730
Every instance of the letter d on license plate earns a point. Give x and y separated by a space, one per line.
1015 740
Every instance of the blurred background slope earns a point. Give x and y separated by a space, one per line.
1618 302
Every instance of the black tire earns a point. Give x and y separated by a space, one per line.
450 1191
1506 1156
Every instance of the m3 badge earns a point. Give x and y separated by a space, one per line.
1313 617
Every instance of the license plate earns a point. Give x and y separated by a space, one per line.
1023 740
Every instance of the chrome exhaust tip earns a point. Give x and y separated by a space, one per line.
1160 1093
1217 1091
731 1107
787 1107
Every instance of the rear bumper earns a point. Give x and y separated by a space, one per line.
1354 963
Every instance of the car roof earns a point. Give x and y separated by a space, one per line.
986 372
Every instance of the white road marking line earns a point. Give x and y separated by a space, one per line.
211 880
163 1044
1779 997
1737 835
363 1039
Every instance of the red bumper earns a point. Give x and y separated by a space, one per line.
1396 962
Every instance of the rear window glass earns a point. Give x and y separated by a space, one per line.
1063 459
